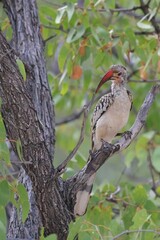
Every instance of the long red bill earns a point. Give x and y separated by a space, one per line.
106 77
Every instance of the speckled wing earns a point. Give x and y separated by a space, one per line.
104 103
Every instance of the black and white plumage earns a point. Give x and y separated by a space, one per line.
109 117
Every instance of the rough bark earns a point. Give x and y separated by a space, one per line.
28 46
34 95
28 115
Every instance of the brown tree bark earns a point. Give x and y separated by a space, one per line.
28 114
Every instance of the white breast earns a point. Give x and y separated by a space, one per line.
113 120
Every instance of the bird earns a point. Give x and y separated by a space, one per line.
110 115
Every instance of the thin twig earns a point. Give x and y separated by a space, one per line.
61 168
70 118
145 81
119 9
75 115
151 170
55 28
136 231
144 33
111 197
49 38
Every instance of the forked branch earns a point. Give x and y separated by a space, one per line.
107 150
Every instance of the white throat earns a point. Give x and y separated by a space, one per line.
116 88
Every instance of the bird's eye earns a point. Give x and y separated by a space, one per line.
119 74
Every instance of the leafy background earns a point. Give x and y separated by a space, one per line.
82 40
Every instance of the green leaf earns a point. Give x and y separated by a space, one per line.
69 66
99 59
152 13
19 149
21 68
62 57
115 227
48 11
139 195
139 219
42 233
51 237
70 10
60 14
4 152
75 227
88 235
131 37
23 201
150 235
87 79
156 159
50 49
149 135
81 160
129 157
95 35
127 216
145 25
109 4
64 88
75 33
4 190
3 222
152 209
2 128
141 148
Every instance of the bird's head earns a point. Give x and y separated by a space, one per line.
116 73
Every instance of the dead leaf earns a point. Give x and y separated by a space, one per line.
76 72
82 48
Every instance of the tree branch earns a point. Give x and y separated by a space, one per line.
120 9
70 118
136 231
78 181
145 9
62 167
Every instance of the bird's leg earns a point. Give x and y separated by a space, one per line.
106 147
127 135
93 154
109 147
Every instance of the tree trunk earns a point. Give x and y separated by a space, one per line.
28 113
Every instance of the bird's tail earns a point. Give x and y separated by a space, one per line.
82 197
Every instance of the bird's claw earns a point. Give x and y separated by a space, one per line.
110 147
127 135
93 154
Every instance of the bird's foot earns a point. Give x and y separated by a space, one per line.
127 135
110 147
93 154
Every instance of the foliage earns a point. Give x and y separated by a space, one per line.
80 45
133 209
